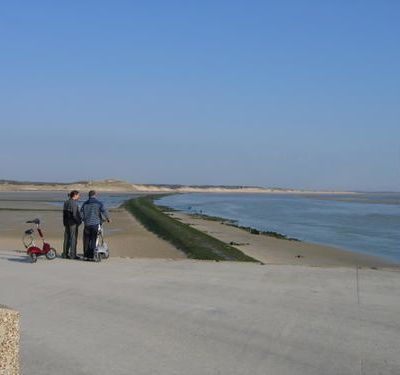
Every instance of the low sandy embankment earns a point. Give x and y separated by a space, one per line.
270 250
125 235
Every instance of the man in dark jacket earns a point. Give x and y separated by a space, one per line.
72 220
93 214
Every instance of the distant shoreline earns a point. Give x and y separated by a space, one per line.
125 187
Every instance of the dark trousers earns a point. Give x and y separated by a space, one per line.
89 240
70 240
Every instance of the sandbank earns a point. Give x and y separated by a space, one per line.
277 251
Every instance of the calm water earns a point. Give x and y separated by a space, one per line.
112 200
366 223
57 198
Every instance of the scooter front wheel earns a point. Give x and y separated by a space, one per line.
51 254
33 257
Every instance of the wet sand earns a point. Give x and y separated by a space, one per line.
276 251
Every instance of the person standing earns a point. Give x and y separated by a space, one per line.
93 214
71 220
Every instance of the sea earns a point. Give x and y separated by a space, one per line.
367 223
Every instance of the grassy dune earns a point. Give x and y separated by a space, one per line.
193 243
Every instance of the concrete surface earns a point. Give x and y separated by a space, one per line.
186 317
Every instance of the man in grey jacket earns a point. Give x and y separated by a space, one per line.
93 214
72 220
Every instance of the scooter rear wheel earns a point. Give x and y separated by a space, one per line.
51 254
33 257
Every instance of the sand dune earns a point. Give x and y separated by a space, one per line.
126 187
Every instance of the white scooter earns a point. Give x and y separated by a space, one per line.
101 250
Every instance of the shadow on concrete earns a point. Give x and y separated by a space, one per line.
17 259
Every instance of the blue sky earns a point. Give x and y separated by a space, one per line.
302 94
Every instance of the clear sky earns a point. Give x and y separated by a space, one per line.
302 93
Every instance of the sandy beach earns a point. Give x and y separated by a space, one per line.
125 236
276 251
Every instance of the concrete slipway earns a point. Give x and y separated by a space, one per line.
187 317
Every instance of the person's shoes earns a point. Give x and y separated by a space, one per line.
65 256
76 257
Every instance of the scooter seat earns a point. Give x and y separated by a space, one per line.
29 231
34 221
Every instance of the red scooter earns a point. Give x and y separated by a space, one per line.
34 251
